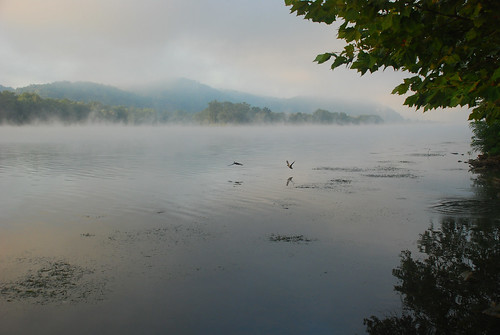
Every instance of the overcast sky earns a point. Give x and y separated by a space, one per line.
254 46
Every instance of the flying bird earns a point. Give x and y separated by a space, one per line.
235 163
290 165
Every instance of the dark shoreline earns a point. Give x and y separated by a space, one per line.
485 163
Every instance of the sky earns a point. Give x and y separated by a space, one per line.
253 46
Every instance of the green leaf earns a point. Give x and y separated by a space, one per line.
496 74
401 88
492 93
471 34
473 86
411 100
476 114
351 15
455 77
339 60
320 59
387 22
455 101
450 48
452 59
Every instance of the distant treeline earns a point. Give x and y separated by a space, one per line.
27 108
242 113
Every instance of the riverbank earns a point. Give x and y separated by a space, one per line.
485 162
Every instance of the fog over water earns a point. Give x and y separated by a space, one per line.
152 230
257 47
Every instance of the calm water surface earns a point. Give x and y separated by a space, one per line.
122 230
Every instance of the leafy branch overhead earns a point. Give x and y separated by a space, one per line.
450 47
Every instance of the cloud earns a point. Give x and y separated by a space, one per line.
249 45
114 40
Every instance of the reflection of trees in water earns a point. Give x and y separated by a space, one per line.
455 287
487 187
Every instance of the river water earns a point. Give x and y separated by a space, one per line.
128 230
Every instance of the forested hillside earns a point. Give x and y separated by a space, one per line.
87 92
184 96
28 108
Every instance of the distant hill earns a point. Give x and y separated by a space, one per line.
192 97
87 92
4 88
183 94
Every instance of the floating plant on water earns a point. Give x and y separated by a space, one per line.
54 282
288 238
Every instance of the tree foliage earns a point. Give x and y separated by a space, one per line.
450 47
28 108
486 137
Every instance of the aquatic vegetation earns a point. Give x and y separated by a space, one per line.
428 154
382 171
54 282
390 171
94 217
235 182
341 181
341 169
170 234
339 184
288 238
391 175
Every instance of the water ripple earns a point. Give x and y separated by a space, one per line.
464 206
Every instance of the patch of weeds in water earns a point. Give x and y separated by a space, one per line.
376 172
288 238
166 236
342 169
340 181
308 186
390 172
391 175
428 154
341 185
387 168
54 282
87 235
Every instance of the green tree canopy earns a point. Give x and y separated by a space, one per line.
450 47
